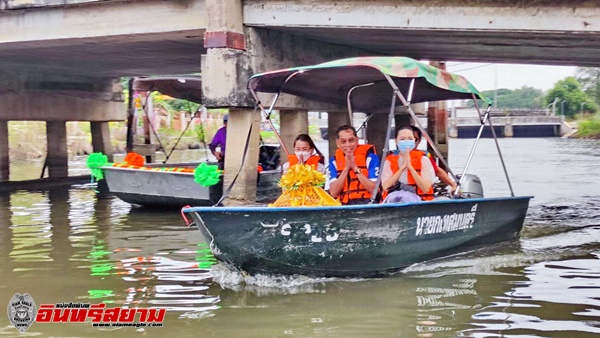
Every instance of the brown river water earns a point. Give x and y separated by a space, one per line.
73 245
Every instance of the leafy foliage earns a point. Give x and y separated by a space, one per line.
570 98
524 97
589 78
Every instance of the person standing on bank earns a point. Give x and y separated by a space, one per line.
353 169
306 152
219 140
408 172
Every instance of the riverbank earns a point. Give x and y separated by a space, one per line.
589 128
27 139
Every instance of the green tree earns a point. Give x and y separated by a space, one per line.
589 78
524 97
569 95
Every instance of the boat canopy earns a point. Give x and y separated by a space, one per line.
180 87
331 82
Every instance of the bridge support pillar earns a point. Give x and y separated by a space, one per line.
376 132
6 234
101 139
58 157
293 123
4 153
334 121
508 128
244 190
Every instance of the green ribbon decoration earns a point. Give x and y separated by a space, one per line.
94 162
206 175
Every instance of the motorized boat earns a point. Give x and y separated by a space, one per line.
362 240
169 188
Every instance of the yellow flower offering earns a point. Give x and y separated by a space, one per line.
301 186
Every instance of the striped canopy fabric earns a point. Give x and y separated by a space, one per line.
330 82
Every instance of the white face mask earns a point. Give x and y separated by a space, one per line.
302 155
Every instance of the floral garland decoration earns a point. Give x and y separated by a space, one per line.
301 176
94 162
207 175
134 159
301 186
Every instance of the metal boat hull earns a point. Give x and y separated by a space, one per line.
176 189
355 240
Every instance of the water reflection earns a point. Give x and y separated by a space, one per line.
559 298
77 245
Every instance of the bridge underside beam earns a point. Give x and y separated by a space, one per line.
104 38
48 106
505 32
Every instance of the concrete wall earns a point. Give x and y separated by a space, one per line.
49 106
266 50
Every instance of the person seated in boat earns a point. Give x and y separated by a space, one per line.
353 169
407 174
306 152
219 140
439 172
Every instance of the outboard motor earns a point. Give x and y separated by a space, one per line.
471 187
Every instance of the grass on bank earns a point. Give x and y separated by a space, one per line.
590 128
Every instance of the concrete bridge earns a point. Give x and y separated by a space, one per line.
59 58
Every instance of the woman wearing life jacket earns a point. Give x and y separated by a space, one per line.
305 151
439 172
408 172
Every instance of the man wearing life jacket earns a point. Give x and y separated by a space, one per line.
408 172
353 169
305 151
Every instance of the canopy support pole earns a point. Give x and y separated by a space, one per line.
482 119
414 117
386 147
349 104
148 124
180 136
268 113
512 194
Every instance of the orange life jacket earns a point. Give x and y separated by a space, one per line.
313 161
415 159
353 190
